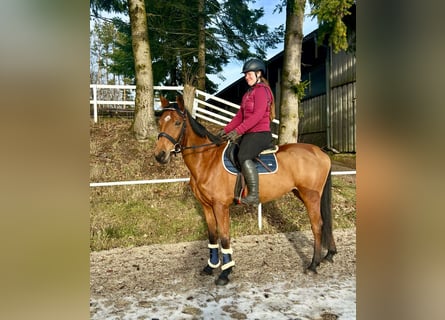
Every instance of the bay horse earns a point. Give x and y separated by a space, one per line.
304 169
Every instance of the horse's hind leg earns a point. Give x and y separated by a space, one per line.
328 240
311 200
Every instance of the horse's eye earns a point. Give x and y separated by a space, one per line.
178 123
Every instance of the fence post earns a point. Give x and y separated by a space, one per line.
95 102
260 217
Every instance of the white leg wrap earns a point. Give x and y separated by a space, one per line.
213 265
226 251
228 265
213 246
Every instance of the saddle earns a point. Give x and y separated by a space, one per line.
266 163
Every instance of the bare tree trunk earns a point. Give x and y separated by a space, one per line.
189 96
143 124
201 47
291 71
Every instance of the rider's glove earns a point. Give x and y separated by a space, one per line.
233 136
222 134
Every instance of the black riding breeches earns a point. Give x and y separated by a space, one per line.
252 144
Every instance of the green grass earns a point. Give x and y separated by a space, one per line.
138 215
126 216
344 201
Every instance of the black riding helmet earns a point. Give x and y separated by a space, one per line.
254 65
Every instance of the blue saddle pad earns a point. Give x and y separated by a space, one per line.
270 160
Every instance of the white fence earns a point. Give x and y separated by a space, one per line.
117 95
123 95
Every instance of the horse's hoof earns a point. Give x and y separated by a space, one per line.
223 278
311 270
221 281
207 271
330 256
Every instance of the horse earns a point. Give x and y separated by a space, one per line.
304 169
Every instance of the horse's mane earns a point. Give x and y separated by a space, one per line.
201 131
197 127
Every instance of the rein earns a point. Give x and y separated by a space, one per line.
177 143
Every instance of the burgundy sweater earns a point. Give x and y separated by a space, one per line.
253 115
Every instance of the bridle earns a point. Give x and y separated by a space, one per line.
177 147
177 143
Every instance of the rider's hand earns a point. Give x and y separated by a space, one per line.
233 136
222 134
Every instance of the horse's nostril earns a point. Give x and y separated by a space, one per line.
161 157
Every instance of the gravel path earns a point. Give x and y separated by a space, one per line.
268 281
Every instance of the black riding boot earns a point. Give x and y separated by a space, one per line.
251 175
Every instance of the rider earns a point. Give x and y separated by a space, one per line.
252 124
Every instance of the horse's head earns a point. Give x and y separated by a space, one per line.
172 128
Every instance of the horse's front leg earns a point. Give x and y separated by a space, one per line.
221 213
213 245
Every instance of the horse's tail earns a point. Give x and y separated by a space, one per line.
326 212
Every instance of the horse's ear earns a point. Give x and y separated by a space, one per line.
164 102
180 102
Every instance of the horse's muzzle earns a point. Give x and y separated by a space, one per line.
162 157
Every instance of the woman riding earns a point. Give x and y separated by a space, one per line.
251 124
